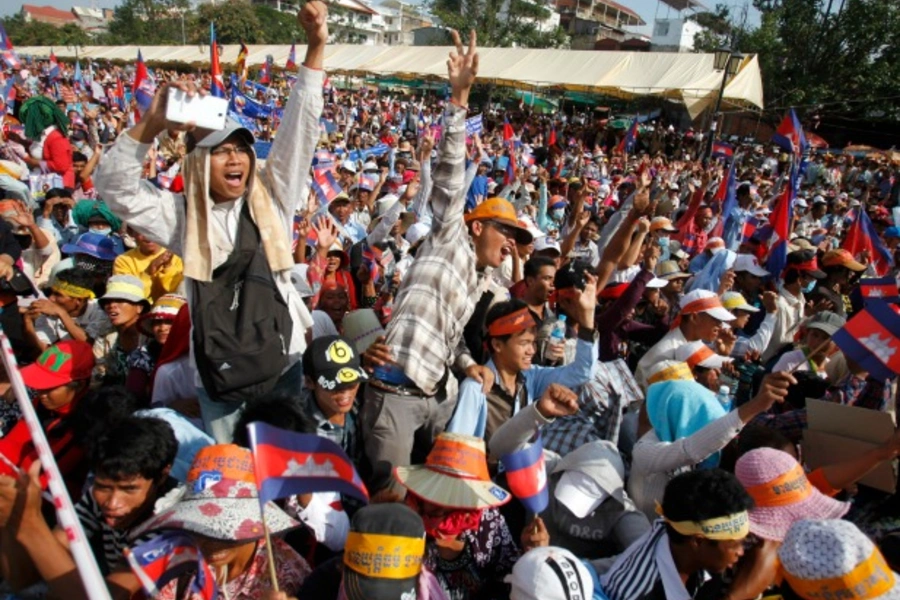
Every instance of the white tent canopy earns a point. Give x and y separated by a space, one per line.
689 78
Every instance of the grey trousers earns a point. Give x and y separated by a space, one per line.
393 423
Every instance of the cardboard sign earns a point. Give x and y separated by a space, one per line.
836 432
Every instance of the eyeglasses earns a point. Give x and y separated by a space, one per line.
226 150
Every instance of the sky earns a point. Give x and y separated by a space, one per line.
647 9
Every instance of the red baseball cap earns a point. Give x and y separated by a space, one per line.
61 363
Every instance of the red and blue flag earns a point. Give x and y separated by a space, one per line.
326 186
265 76
144 87
217 83
626 144
6 48
871 339
291 64
508 132
54 66
119 94
880 288
289 463
722 150
526 476
168 557
780 220
862 237
789 135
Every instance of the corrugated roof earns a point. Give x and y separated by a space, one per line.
624 9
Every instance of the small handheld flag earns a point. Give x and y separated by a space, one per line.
266 75
861 237
167 557
626 145
291 64
143 88
242 63
54 66
325 185
288 464
217 84
789 134
872 339
881 288
526 476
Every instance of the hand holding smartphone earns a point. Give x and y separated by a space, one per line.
206 112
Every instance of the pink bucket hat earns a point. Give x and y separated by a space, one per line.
781 493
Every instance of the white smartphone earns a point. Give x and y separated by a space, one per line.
206 112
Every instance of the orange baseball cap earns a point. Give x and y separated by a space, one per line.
842 258
502 211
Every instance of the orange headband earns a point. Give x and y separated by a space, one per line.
512 323
696 306
870 579
786 489
676 372
699 356
458 460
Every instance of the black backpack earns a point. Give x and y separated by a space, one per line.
241 324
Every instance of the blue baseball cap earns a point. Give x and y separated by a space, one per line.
99 246
891 232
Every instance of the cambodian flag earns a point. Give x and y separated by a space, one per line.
510 177
780 219
326 186
120 93
750 227
881 289
789 135
526 476
217 84
551 139
265 76
626 145
288 464
143 88
54 66
726 196
167 557
722 150
508 132
872 339
862 236
291 64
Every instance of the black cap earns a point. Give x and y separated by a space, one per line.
387 566
571 275
332 363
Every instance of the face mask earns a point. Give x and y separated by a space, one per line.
663 242
450 526
809 287
101 230
557 214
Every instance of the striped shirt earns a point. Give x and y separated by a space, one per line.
108 543
440 290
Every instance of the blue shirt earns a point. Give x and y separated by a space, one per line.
470 416
479 187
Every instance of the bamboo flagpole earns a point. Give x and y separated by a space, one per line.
91 578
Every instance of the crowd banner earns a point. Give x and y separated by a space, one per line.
91 578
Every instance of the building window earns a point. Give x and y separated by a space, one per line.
662 28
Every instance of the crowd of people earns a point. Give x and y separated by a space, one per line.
431 297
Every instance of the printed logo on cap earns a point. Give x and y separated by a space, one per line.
339 352
54 359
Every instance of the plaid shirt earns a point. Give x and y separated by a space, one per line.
603 401
439 292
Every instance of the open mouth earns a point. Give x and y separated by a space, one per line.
234 178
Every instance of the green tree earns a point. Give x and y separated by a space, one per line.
278 27
499 23
148 22
235 20
717 28
35 33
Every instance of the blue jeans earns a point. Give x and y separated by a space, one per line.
219 418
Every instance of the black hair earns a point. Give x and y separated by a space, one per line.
144 446
534 265
275 408
701 495
79 157
572 275
59 192
76 276
499 310
101 409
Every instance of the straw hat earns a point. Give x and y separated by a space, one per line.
455 475
834 559
781 493
220 500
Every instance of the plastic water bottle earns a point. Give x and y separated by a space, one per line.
558 333
724 396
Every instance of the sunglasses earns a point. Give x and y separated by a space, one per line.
506 230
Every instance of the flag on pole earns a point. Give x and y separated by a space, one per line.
726 196
780 219
120 94
143 88
325 186
526 476
861 237
54 66
871 339
722 150
78 78
508 132
288 464
881 288
265 76
216 84
626 144
242 63
167 557
551 139
789 135
6 47
291 64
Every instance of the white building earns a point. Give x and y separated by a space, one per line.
674 35
355 23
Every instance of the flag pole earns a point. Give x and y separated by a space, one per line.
269 550
813 351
